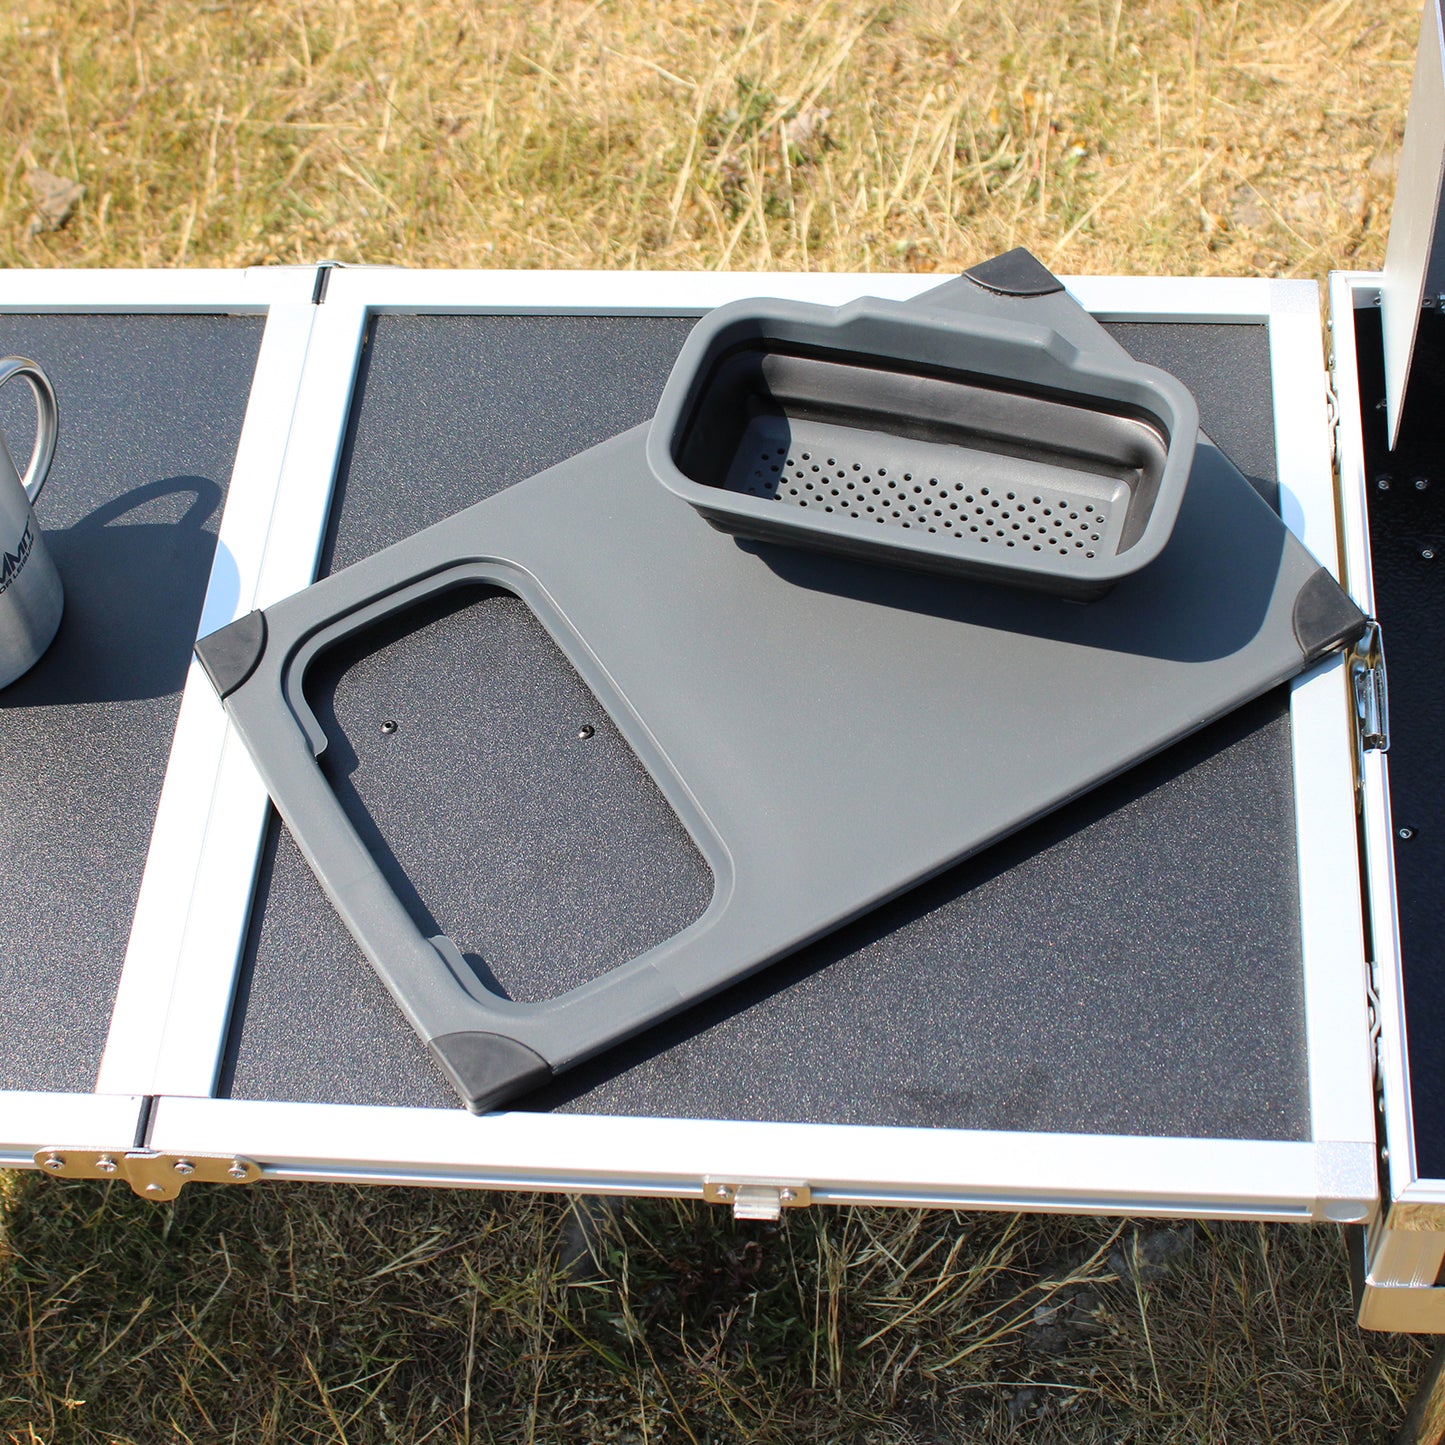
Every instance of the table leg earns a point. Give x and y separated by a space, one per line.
1425 1423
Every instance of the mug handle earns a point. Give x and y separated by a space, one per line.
47 420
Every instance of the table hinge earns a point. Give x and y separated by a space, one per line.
1367 676
153 1176
758 1198
1373 1012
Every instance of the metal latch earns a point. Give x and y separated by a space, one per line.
153 1176
758 1198
1367 676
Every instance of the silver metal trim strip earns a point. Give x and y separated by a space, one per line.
844 1165
1331 916
29 1121
228 849
1347 291
168 899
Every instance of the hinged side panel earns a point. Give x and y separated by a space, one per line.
1415 257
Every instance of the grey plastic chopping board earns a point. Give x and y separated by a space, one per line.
830 731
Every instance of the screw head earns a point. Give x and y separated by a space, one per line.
389 726
154 1189
54 1161
1422 484
1404 834
184 1167
105 1164
237 1170
724 1191
1427 554
788 1196
1383 481
586 731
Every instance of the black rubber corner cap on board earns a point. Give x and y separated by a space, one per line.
488 1068
1325 619
231 653
1016 273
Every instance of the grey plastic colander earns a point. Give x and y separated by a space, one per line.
978 445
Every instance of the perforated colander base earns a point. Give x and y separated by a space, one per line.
980 499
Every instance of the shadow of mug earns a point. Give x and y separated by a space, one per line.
133 597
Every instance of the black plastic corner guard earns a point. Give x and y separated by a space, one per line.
230 654
1015 273
487 1069
1325 618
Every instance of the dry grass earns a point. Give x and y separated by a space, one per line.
293 1313
1152 136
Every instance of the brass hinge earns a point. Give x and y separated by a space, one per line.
758 1198
153 1176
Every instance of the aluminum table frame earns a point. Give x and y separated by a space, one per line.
173 1007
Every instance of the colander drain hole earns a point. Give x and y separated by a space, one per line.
1032 519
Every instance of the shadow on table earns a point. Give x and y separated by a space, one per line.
133 597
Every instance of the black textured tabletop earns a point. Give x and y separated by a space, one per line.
1130 965
150 416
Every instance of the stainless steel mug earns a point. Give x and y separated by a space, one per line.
31 598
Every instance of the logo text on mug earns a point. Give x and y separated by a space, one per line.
12 562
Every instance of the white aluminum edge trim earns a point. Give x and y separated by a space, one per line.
1301 434
842 1164
1342 1102
1113 298
582 292
227 848
1351 291
1350 443
1364 287
1424 1191
313 451
192 1029
168 900
100 292
1244 299
1377 830
1336 976
31 1121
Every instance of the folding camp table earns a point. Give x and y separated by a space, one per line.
1207 989
1152 1002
